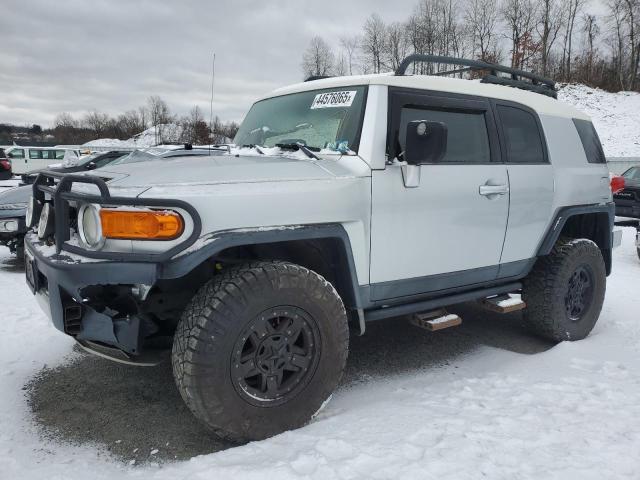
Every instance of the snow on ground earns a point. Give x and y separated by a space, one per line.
570 412
615 116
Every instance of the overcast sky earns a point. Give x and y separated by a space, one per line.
110 55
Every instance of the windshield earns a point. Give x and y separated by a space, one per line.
320 119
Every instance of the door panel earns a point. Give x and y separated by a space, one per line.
443 225
530 211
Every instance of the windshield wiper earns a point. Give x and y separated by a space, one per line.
298 146
250 145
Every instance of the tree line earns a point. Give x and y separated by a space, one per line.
562 39
191 128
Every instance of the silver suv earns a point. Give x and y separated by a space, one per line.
346 199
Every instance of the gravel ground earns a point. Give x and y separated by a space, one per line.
137 413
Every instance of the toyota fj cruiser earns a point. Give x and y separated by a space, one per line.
353 198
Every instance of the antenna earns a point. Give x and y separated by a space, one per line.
213 77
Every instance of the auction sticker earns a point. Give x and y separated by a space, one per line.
334 99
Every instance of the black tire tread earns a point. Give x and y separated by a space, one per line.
541 292
212 309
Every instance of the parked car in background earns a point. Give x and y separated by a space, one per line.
13 203
628 199
25 159
154 153
5 166
13 206
89 162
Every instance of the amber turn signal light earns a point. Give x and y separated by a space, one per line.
141 224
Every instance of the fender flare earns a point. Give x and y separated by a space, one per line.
214 243
565 213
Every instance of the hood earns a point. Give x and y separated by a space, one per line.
16 195
219 169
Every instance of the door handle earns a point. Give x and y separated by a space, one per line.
491 190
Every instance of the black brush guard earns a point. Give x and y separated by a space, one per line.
62 195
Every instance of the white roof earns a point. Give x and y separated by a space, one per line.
540 103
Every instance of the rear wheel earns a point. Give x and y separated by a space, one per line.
259 349
565 291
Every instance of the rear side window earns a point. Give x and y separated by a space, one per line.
35 154
590 141
467 136
522 135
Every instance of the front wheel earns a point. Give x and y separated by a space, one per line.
565 290
259 349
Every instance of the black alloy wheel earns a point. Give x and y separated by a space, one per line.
275 356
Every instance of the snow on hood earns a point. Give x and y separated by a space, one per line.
217 170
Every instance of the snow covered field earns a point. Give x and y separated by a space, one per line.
572 411
615 116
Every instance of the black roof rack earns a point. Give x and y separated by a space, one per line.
534 83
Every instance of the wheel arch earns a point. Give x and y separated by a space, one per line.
324 248
593 222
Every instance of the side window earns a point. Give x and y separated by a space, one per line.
590 141
16 153
467 136
522 135
59 154
35 154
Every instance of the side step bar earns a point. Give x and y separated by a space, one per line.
432 304
435 320
504 303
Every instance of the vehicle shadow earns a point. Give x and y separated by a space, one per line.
138 414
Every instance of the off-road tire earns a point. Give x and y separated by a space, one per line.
218 316
545 290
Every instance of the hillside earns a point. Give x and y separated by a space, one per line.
616 117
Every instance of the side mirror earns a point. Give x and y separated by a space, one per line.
91 166
426 142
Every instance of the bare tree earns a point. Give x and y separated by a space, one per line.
591 31
551 20
350 47
96 122
341 67
520 17
130 123
318 59
632 16
159 116
373 42
482 20
397 45
572 8
194 128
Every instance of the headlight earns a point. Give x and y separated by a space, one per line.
9 226
90 227
47 221
34 208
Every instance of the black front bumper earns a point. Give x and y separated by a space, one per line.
58 281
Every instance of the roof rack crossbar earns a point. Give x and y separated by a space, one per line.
514 73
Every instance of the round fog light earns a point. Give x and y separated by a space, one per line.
47 220
90 227
34 208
